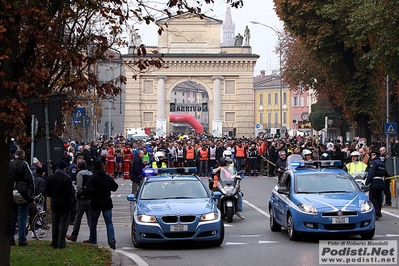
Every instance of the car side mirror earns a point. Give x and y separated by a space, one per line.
131 197
216 195
283 190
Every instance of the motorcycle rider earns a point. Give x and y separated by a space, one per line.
159 157
226 161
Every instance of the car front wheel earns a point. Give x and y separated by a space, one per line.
136 243
368 235
274 226
292 233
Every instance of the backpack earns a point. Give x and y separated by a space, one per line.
87 189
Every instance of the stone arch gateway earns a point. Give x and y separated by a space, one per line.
191 51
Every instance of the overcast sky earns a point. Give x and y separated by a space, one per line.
263 40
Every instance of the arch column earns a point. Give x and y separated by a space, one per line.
217 130
161 106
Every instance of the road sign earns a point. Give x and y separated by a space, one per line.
77 114
84 121
257 126
390 128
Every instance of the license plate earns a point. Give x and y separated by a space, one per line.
179 228
340 220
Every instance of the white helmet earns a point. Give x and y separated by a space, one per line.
227 153
355 153
306 152
159 154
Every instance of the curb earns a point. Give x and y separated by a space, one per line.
115 257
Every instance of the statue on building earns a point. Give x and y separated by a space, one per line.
247 36
238 40
135 38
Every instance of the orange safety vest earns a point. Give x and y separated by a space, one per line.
240 151
204 155
190 153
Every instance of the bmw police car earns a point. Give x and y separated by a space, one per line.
173 206
316 199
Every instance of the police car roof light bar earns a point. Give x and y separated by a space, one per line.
178 170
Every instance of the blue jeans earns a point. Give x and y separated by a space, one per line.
82 207
107 215
239 163
20 214
239 207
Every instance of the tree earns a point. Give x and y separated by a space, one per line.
49 48
351 45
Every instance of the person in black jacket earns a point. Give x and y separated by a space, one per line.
59 188
375 178
99 189
136 171
23 182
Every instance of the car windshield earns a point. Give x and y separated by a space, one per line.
324 183
173 189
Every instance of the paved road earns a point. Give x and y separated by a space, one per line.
247 242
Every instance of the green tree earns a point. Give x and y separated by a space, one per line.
49 48
351 47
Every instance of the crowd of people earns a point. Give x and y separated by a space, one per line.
83 180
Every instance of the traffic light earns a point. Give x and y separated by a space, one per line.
106 127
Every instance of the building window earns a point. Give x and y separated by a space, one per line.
230 86
302 101
148 116
261 99
269 117
260 118
182 100
148 87
230 117
285 117
295 102
285 98
276 98
276 118
175 100
269 99
182 94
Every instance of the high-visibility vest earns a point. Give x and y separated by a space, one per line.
154 165
240 151
190 153
204 155
355 169
110 155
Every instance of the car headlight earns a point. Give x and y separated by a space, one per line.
366 206
147 218
209 216
309 208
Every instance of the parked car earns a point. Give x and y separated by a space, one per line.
174 206
316 199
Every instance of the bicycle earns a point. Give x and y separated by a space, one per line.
37 222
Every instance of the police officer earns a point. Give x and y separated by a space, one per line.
375 178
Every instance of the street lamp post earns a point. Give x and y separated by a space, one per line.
280 74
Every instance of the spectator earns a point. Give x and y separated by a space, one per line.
59 188
100 187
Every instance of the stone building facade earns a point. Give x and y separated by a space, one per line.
192 51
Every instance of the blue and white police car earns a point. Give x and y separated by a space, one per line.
174 205
319 198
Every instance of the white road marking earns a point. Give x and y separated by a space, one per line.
389 213
391 235
256 208
235 243
134 257
267 242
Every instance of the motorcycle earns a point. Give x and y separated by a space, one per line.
361 181
228 189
